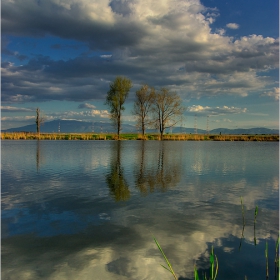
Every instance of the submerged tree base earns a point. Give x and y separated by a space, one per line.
152 136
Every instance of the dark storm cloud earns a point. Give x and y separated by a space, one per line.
39 18
120 7
43 79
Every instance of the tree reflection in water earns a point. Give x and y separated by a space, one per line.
161 172
38 155
115 178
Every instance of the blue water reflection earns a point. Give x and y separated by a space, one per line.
90 209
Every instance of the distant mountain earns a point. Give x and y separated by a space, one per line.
240 131
71 126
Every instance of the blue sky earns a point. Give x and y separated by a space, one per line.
221 57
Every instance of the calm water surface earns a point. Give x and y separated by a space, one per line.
90 210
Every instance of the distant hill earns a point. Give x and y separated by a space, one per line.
68 126
240 131
71 126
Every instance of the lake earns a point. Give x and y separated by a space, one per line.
90 209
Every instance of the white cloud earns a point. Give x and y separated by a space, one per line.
221 31
232 25
273 93
215 111
106 55
18 118
86 106
15 109
227 120
183 246
85 115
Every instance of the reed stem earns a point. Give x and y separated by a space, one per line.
170 269
266 258
243 216
256 213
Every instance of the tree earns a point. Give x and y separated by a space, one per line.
167 109
39 120
142 106
116 97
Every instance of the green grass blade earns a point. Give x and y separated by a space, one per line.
243 212
266 257
276 260
196 277
166 268
217 267
167 261
243 216
212 261
256 211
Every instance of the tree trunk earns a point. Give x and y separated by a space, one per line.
119 125
38 120
161 131
38 128
143 129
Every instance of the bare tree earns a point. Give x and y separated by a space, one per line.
142 106
116 96
167 109
39 120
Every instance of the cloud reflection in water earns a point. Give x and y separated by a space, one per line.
63 221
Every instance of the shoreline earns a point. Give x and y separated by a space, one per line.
134 136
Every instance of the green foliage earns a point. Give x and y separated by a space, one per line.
256 211
117 94
116 97
170 269
196 277
214 266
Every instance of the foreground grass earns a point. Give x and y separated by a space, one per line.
107 136
214 265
